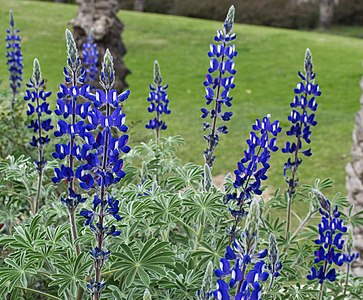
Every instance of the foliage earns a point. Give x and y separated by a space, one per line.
175 225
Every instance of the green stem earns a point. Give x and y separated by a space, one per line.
38 292
321 292
184 224
301 226
35 204
346 279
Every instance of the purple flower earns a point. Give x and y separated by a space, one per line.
90 58
330 242
102 163
36 94
302 119
14 56
218 83
158 102
252 168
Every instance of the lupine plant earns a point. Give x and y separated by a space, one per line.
174 220
330 242
90 58
248 270
251 170
158 102
302 119
71 109
218 84
40 126
14 58
103 167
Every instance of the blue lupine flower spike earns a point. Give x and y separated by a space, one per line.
14 59
38 106
90 58
251 170
103 166
158 103
302 119
243 264
330 243
72 111
218 83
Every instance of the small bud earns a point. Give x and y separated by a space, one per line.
144 171
207 179
73 59
250 232
157 74
12 23
147 295
108 71
308 64
228 23
273 254
37 74
207 284
324 202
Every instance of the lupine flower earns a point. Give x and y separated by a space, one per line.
251 170
330 242
103 166
243 266
14 57
218 83
302 119
71 126
38 105
90 58
158 102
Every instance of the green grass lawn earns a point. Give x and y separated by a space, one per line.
267 65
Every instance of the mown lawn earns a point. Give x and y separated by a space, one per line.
267 66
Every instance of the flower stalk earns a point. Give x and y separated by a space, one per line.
37 97
218 83
158 102
302 121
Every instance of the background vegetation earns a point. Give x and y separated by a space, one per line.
267 66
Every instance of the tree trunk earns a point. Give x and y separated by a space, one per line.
326 9
354 181
139 5
100 17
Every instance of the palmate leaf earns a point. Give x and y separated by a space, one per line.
188 176
72 270
165 207
184 284
211 251
17 271
204 208
141 262
25 238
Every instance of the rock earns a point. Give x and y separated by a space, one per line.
101 17
354 182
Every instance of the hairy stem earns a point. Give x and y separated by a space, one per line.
48 296
346 279
40 162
